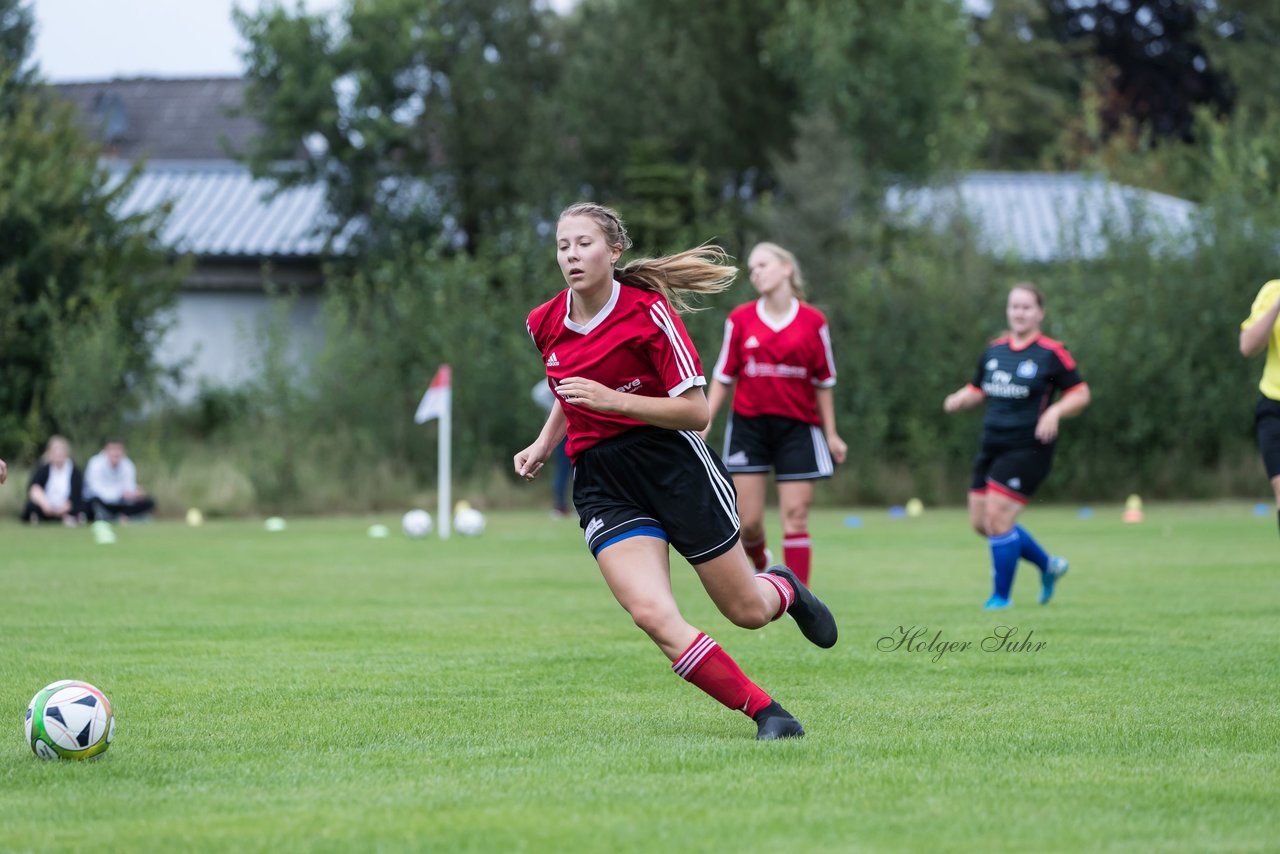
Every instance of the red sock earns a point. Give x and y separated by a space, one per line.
755 551
785 594
797 551
709 667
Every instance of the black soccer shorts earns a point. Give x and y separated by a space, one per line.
655 482
793 449
1014 472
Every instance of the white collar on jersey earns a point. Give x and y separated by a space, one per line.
583 329
769 322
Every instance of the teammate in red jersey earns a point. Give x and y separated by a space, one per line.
629 393
1018 376
777 355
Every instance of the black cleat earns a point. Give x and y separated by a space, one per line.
811 615
774 722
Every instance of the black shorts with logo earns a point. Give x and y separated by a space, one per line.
793 449
656 482
1012 471
1266 423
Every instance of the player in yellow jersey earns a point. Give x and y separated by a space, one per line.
1261 332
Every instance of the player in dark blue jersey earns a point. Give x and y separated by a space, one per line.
1018 377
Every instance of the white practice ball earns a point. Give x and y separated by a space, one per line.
469 522
416 523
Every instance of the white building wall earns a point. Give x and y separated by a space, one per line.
218 337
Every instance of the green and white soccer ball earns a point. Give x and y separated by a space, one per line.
69 720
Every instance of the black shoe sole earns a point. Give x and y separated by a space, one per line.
811 615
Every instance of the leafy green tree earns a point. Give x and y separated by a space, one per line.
82 288
1026 82
689 79
891 75
414 114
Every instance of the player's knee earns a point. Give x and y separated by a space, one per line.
654 618
796 518
752 531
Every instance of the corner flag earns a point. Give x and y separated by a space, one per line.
438 403
435 403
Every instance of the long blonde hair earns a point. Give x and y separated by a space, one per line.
705 269
797 278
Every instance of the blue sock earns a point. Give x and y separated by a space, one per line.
1031 550
1004 562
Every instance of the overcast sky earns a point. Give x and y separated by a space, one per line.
101 39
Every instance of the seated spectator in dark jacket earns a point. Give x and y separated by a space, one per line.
111 486
55 489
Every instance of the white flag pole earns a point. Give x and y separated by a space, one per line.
443 503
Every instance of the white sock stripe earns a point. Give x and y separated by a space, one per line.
722 489
805 541
1004 538
784 589
693 656
658 311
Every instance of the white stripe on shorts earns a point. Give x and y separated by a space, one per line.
722 487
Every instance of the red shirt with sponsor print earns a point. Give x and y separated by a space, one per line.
776 364
636 344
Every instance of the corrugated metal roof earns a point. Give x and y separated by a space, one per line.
1041 216
221 210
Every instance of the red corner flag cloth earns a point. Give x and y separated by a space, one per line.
436 400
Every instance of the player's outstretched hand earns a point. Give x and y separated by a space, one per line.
4 471
529 462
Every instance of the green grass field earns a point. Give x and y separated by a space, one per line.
316 690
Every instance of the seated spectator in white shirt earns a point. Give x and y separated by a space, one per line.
54 493
111 486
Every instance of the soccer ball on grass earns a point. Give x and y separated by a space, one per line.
469 522
416 523
69 720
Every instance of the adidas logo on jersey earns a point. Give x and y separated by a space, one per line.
593 527
751 342
553 362
736 459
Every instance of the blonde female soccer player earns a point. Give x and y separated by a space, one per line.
628 384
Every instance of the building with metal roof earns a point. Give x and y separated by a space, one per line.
1048 217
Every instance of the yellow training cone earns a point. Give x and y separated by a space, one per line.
1132 509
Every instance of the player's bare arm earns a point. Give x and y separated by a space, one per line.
688 411
1069 406
963 398
529 462
1253 339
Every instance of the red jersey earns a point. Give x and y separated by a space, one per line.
776 365
636 344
